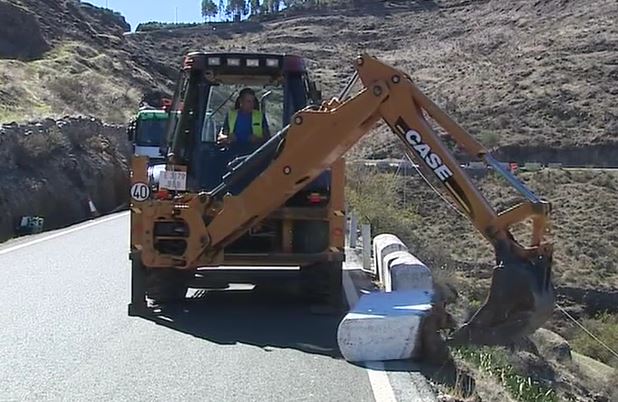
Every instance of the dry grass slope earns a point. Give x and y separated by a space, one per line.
532 72
88 70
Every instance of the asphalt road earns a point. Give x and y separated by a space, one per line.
65 335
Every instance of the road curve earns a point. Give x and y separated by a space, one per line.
65 333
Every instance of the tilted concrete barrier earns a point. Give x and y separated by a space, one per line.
386 325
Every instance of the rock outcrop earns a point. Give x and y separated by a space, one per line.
20 34
52 168
72 20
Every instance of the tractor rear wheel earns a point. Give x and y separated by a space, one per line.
322 284
157 285
138 286
167 285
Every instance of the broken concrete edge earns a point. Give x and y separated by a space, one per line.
388 325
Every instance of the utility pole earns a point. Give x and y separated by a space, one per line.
176 14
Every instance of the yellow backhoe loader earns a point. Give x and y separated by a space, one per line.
280 202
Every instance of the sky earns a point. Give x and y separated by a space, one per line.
136 11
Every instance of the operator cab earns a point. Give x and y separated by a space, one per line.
207 91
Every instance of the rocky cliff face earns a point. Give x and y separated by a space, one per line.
52 168
71 19
20 33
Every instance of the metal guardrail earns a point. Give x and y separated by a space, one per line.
362 236
527 166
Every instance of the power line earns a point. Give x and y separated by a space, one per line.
435 190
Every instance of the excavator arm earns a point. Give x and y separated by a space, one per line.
521 295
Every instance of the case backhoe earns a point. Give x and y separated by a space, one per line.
197 218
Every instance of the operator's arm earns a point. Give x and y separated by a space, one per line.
223 135
265 128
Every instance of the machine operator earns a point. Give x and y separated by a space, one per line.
248 124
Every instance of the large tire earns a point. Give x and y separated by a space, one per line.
138 286
167 285
155 286
322 284
311 237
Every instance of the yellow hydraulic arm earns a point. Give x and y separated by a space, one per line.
317 138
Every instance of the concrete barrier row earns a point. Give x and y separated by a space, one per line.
386 325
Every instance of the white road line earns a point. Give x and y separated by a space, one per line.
380 385
350 290
61 233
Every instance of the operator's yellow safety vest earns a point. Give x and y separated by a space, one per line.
256 124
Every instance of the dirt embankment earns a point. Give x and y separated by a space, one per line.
52 168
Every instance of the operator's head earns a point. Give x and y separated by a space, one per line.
246 101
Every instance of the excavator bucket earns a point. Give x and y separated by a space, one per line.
520 300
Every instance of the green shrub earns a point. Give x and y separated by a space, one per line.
489 138
494 362
605 327
155 26
374 197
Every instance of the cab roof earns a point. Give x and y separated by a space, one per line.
244 67
152 114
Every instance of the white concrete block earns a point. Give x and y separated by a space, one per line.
403 271
384 244
384 272
384 326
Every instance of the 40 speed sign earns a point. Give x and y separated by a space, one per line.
140 191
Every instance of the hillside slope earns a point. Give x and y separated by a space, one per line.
62 58
537 74
65 57
533 77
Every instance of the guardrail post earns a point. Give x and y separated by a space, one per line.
353 231
366 234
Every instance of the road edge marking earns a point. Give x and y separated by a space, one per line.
61 233
380 384
378 378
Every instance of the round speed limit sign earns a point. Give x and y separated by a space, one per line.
140 192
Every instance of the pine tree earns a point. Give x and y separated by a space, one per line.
209 9
238 8
256 7
222 9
